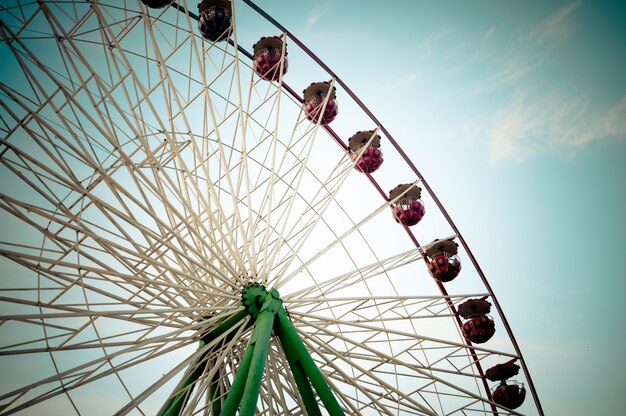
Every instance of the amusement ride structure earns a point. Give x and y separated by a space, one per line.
185 233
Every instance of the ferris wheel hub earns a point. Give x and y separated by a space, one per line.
254 295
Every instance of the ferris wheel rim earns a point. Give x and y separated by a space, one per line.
380 190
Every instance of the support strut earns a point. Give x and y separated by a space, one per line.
269 314
185 387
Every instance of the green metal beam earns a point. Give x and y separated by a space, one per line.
239 383
302 382
185 387
247 383
268 314
291 341
216 404
261 338
225 326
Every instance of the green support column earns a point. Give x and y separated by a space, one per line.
187 384
261 338
183 390
302 382
216 406
290 340
225 326
268 313
239 383
247 382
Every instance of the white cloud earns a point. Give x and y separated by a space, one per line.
551 124
432 43
557 25
541 117
490 32
528 52
318 12
313 18
611 124
512 70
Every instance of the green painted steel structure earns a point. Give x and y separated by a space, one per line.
267 316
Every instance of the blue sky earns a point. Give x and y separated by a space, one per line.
516 114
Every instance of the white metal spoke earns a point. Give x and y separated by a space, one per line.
377 356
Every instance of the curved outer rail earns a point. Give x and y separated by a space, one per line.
408 161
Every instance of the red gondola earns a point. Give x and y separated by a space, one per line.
511 394
269 62
479 327
369 159
443 263
408 209
317 97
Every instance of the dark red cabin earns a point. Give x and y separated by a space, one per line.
215 19
157 4
317 97
408 209
442 260
478 327
510 395
269 61
365 151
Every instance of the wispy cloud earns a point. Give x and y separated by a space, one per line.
511 70
432 43
611 124
528 126
551 124
318 12
557 25
542 115
526 53
313 18
490 32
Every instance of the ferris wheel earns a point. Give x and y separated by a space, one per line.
200 217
